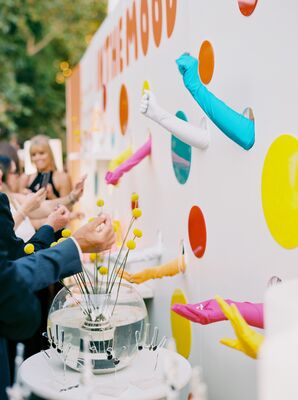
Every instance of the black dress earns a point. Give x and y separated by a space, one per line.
36 184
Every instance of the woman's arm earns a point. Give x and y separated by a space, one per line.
18 218
36 208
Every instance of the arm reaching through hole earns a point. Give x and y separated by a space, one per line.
209 311
234 125
188 133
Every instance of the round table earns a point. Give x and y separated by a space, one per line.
143 379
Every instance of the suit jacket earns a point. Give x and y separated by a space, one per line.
13 245
18 318
19 313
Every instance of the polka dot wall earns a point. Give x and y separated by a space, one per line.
233 204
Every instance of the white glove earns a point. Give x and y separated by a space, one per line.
188 133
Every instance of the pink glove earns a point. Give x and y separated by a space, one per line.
209 311
135 159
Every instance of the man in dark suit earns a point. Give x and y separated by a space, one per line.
48 266
14 247
18 305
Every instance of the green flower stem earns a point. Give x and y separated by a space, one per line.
122 266
112 278
109 262
75 299
118 289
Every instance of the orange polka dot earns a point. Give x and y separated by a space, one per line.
123 109
247 7
206 62
197 231
104 97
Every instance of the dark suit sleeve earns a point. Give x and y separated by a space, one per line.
19 308
43 238
13 245
41 269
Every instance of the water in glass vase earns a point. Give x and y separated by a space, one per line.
112 343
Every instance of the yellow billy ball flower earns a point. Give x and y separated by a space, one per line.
134 197
91 219
100 203
138 233
29 248
115 226
61 240
131 244
136 213
103 270
66 233
92 257
53 244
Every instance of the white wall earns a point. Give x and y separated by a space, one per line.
256 64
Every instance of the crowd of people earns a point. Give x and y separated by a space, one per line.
34 209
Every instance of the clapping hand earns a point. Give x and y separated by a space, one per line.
78 189
59 218
33 201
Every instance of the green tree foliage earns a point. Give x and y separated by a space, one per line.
35 36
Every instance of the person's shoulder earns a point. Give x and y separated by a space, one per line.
26 180
4 203
61 176
3 198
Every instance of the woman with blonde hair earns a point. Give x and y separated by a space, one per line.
59 183
30 211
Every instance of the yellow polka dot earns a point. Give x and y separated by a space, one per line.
146 86
280 190
181 327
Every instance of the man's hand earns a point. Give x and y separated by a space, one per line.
59 218
96 236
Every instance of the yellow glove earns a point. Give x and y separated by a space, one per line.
120 159
171 268
248 340
125 275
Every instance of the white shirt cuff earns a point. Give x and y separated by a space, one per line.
78 247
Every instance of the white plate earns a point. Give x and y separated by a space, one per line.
45 378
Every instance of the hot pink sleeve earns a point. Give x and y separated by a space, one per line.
114 176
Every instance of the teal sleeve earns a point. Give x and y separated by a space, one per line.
233 124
